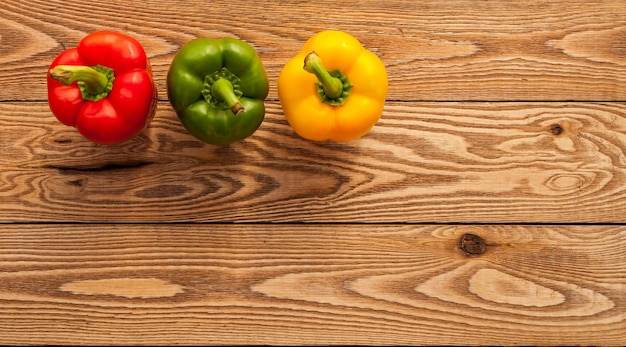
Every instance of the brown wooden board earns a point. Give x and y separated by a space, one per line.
486 207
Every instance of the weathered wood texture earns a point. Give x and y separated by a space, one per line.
301 285
505 119
434 50
423 162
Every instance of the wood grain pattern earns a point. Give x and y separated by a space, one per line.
316 284
505 120
458 50
423 162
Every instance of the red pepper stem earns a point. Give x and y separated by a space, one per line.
333 86
94 82
223 90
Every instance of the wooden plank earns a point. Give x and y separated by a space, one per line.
423 162
311 284
281 241
454 50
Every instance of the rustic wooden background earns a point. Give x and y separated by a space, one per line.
504 119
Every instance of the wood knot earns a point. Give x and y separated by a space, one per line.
472 244
556 129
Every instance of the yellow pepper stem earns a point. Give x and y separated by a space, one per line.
333 86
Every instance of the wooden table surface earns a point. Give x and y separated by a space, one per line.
504 119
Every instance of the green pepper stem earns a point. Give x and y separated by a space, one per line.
223 90
95 82
333 86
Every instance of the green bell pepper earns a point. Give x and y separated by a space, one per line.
217 88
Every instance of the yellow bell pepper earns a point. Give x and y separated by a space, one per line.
339 94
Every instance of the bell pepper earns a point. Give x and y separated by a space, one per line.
217 88
103 87
339 94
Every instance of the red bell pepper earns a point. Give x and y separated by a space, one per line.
103 87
